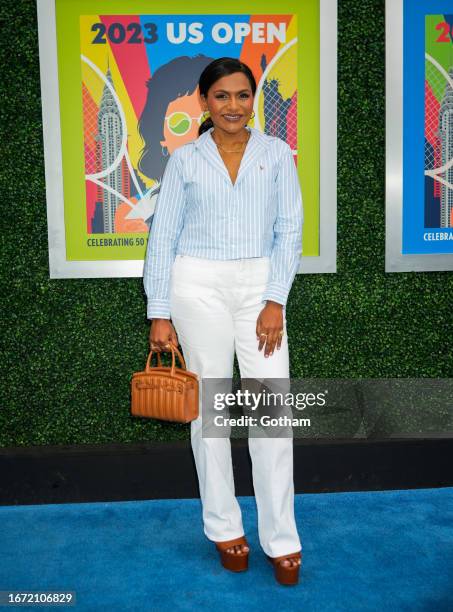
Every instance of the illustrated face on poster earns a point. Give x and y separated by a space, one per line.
141 102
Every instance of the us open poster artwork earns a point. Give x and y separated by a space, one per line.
129 98
138 83
439 125
428 128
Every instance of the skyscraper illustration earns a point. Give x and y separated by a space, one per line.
280 112
446 147
108 144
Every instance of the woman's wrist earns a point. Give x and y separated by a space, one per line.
272 303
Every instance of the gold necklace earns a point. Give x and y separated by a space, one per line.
229 150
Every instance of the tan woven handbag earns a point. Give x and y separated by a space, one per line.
165 393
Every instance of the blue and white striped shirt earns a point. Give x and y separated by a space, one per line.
200 212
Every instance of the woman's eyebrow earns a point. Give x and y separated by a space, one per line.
225 91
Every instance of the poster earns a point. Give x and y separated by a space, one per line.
126 79
438 205
428 128
419 135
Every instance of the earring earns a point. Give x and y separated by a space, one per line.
252 115
205 113
164 151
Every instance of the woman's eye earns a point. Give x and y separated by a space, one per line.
221 96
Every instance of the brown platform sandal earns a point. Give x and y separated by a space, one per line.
286 574
236 562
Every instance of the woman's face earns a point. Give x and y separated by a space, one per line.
229 102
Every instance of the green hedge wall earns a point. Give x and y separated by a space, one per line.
69 346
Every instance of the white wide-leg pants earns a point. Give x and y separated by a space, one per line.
214 308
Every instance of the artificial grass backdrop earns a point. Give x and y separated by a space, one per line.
69 347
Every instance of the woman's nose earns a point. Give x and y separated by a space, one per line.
234 106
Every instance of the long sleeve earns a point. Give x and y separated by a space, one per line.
165 229
287 246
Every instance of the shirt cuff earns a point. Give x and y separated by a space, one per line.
158 309
276 292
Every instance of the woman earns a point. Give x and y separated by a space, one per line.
223 251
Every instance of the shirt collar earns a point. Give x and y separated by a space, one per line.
257 145
257 135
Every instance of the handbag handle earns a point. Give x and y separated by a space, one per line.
148 361
173 350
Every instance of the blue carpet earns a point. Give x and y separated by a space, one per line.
361 551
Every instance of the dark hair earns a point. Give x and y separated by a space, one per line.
220 67
170 81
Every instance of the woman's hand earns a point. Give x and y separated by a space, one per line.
161 334
269 327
